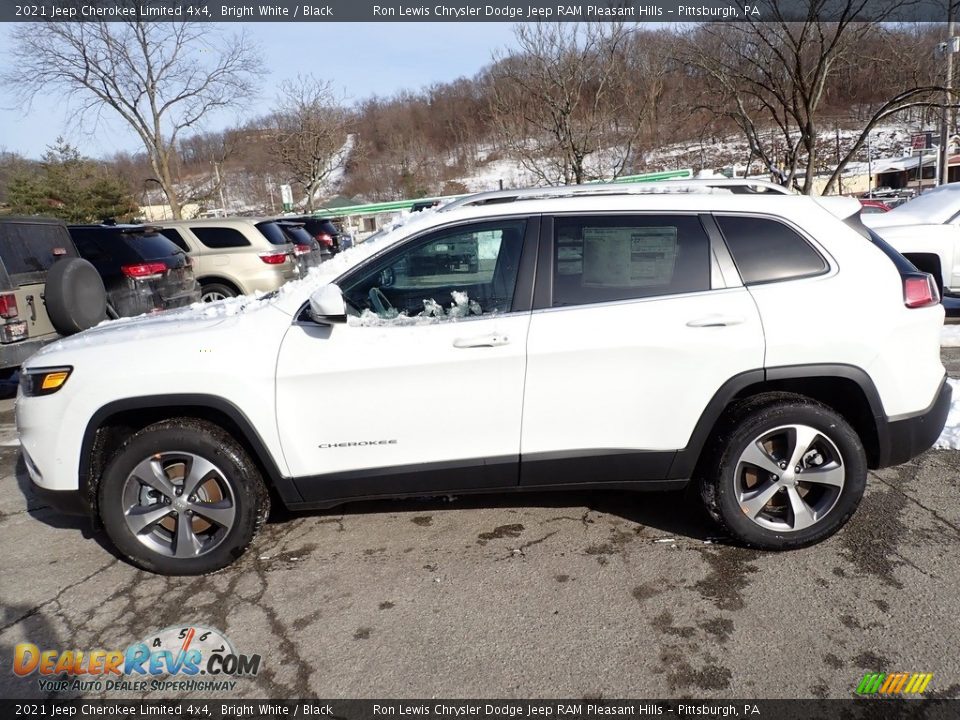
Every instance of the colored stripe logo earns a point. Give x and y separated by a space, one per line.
894 683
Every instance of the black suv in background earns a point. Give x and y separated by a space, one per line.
307 250
322 230
142 270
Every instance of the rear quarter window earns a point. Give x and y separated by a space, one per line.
766 250
219 238
152 246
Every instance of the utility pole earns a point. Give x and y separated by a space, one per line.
949 50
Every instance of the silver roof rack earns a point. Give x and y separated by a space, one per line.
736 186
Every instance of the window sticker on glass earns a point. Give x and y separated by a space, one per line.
629 256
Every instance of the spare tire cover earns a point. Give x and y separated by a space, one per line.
74 296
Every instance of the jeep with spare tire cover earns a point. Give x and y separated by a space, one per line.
46 289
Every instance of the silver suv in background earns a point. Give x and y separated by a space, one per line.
234 256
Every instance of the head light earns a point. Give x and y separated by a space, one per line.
43 381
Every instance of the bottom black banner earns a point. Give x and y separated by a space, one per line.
882 708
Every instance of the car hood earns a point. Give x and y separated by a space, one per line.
206 320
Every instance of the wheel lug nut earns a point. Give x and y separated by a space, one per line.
783 466
797 469
776 478
179 492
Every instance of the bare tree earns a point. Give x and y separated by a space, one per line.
311 137
161 78
774 79
571 102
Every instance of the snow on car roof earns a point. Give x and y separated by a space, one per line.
934 207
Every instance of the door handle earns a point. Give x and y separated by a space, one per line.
492 340
715 321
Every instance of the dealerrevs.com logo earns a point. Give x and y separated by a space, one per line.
199 658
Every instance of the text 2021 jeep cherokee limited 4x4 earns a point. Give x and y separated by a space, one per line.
605 338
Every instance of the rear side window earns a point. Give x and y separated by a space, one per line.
151 246
298 234
272 232
176 238
28 248
600 259
220 237
766 250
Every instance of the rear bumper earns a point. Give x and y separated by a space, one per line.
136 297
901 440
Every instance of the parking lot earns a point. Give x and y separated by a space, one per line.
563 595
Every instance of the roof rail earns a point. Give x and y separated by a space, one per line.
736 186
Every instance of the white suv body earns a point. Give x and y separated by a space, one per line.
614 342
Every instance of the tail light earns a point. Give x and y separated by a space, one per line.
8 306
301 249
144 271
325 239
920 290
274 258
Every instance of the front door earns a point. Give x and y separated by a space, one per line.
421 390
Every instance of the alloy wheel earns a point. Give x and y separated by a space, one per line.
178 504
789 478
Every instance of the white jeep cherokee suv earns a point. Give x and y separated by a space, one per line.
598 339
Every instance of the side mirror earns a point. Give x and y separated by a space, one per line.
327 306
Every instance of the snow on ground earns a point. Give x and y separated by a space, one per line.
950 336
950 437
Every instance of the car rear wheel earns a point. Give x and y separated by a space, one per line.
211 292
787 472
182 497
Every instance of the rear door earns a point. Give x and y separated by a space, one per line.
638 320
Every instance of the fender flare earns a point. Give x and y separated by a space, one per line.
283 485
686 459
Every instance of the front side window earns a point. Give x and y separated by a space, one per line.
458 272
602 259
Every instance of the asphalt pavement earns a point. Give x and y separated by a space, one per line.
579 595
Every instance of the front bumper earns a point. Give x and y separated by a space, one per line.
901 440
69 502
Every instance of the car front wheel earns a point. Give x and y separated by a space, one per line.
787 472
182 497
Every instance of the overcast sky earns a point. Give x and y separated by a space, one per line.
361 59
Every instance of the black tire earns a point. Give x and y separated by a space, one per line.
249 497
74 296
210 288
767 416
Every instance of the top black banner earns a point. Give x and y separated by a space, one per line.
666 11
